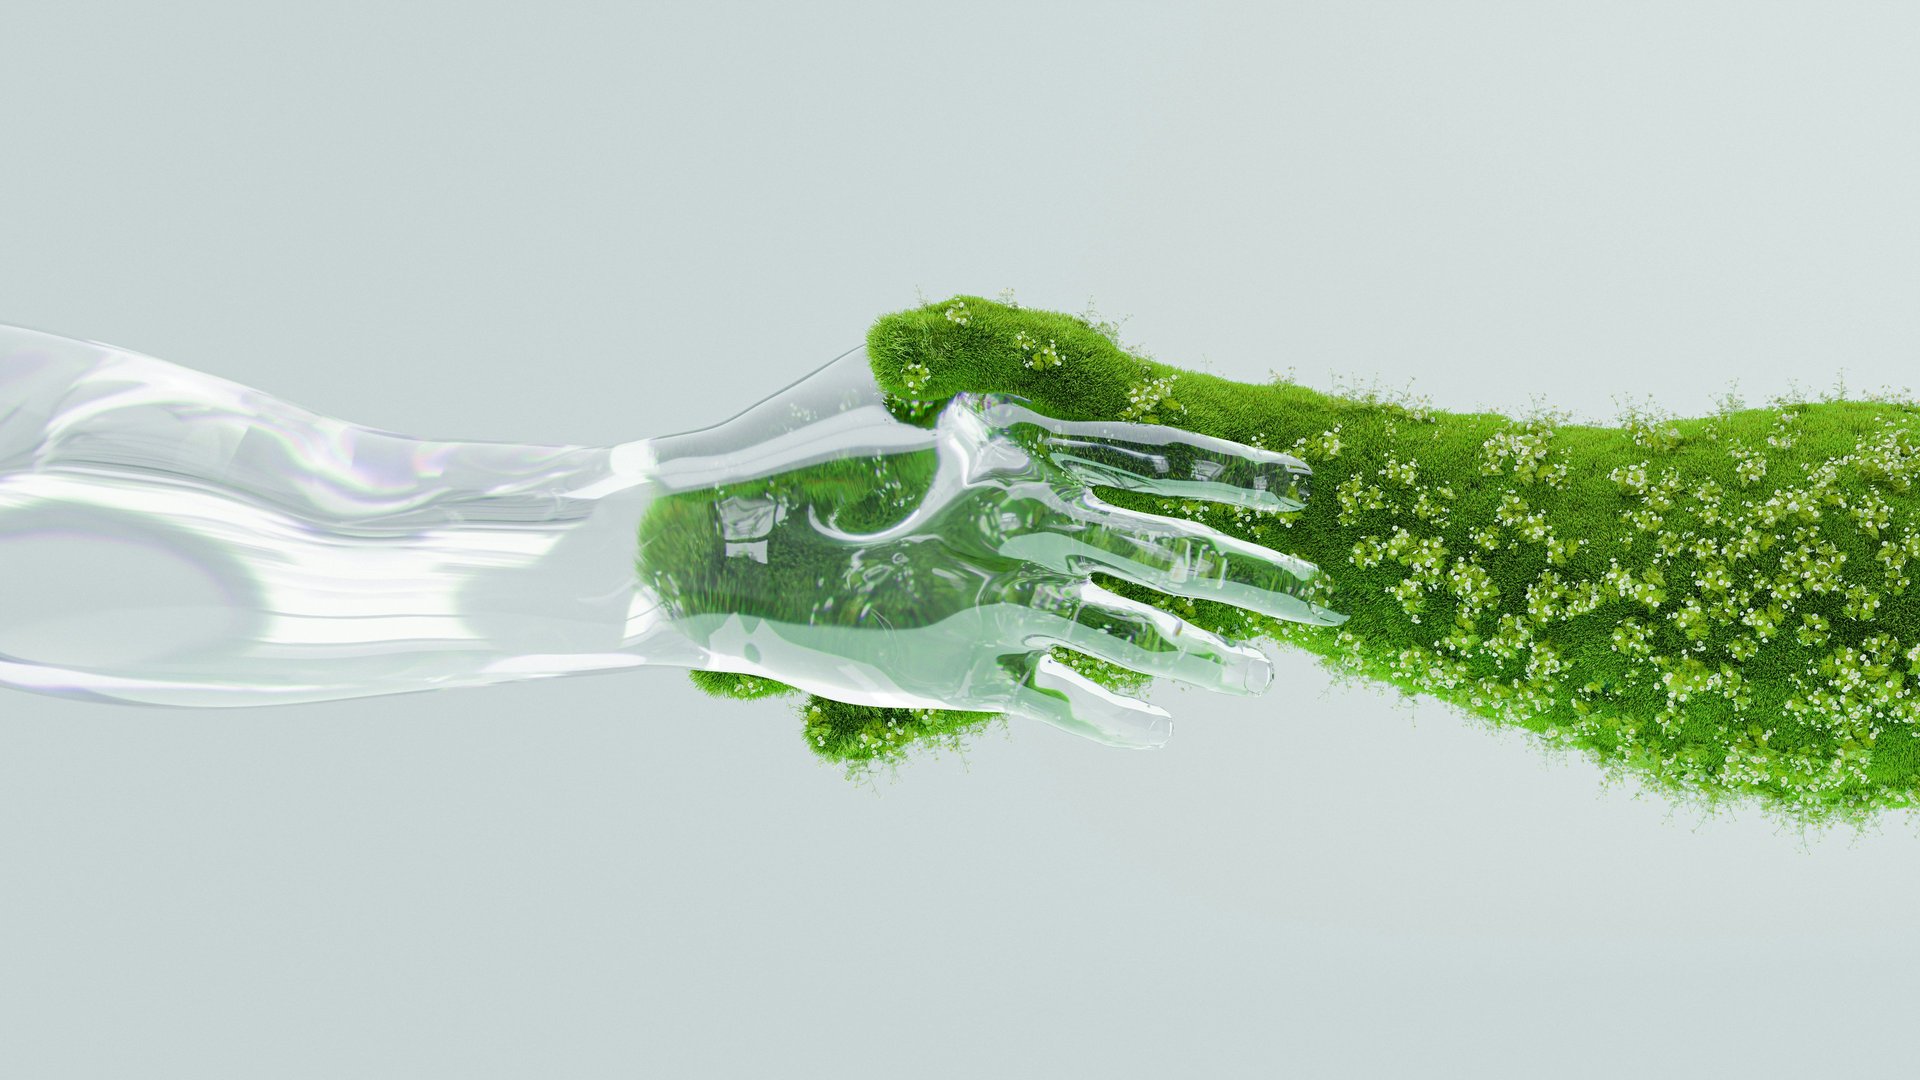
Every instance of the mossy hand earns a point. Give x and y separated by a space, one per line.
1719 606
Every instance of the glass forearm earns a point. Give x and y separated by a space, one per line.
171 537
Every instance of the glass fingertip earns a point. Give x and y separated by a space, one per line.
1256 674
1329 617
1148 732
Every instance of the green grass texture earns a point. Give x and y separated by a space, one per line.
1718 606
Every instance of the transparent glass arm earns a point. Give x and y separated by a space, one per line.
168 536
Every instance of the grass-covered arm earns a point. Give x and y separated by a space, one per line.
1719 605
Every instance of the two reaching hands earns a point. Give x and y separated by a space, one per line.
956 597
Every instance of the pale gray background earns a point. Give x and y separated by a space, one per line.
574 223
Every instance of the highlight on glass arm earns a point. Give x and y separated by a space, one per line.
990 511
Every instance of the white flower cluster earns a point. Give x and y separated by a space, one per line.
1356 496
1513 637
1424 557
1708 494
1867 675
1632 637
1814 566
1686 676
1862 603
1643 519
1431 505
1651 432
1521 453
1790 504
1894 556
1551 599
1473 586
1765 621
1714 577
1560 552
1401 472
1144 398
1873 512
1749 465
1631 478
1411 595
1650 588
1782 435
1529 524
1324 446
1039 357
915 376
1891 459
1543 662
1690 618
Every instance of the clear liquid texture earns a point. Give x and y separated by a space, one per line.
168 537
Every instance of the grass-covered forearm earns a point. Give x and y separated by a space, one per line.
1719 605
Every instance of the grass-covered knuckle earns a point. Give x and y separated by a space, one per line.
975 345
